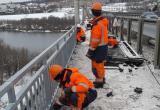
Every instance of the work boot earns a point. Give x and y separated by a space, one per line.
98 84
57 106
104 81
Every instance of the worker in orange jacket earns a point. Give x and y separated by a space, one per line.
98 44
78 91
80 36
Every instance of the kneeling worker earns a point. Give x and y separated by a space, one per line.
77 90
80 36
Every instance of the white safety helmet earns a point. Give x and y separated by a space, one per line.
78 25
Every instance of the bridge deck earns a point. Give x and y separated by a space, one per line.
122 84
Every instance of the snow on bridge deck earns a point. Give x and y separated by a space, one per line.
122 84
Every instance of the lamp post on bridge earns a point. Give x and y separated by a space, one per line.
84 5
77 7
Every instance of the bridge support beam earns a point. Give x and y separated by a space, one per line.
157 47
140 36
129 31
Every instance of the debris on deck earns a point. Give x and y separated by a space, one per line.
128 87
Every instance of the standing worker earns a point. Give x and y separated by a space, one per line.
80 36
98 44
77 90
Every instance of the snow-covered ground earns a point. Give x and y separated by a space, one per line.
148 54
36 15
121 83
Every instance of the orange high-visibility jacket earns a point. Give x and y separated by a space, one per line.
79 84
99 32
80 34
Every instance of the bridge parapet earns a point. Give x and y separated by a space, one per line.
39 92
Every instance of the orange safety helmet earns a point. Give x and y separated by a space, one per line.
54 70
96 6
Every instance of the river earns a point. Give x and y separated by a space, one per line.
35 42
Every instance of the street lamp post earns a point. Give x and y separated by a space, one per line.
77 4
76 7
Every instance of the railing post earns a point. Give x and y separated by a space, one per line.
121 29
140 34
157 47
12 96
112 30
129 31
47 84
65 39
57 46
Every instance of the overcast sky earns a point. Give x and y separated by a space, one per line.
7 1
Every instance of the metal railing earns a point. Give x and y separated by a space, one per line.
139 28
128 22
131 14
39 92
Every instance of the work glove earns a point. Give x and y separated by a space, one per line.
90 54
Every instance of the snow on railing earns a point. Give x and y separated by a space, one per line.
39 92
